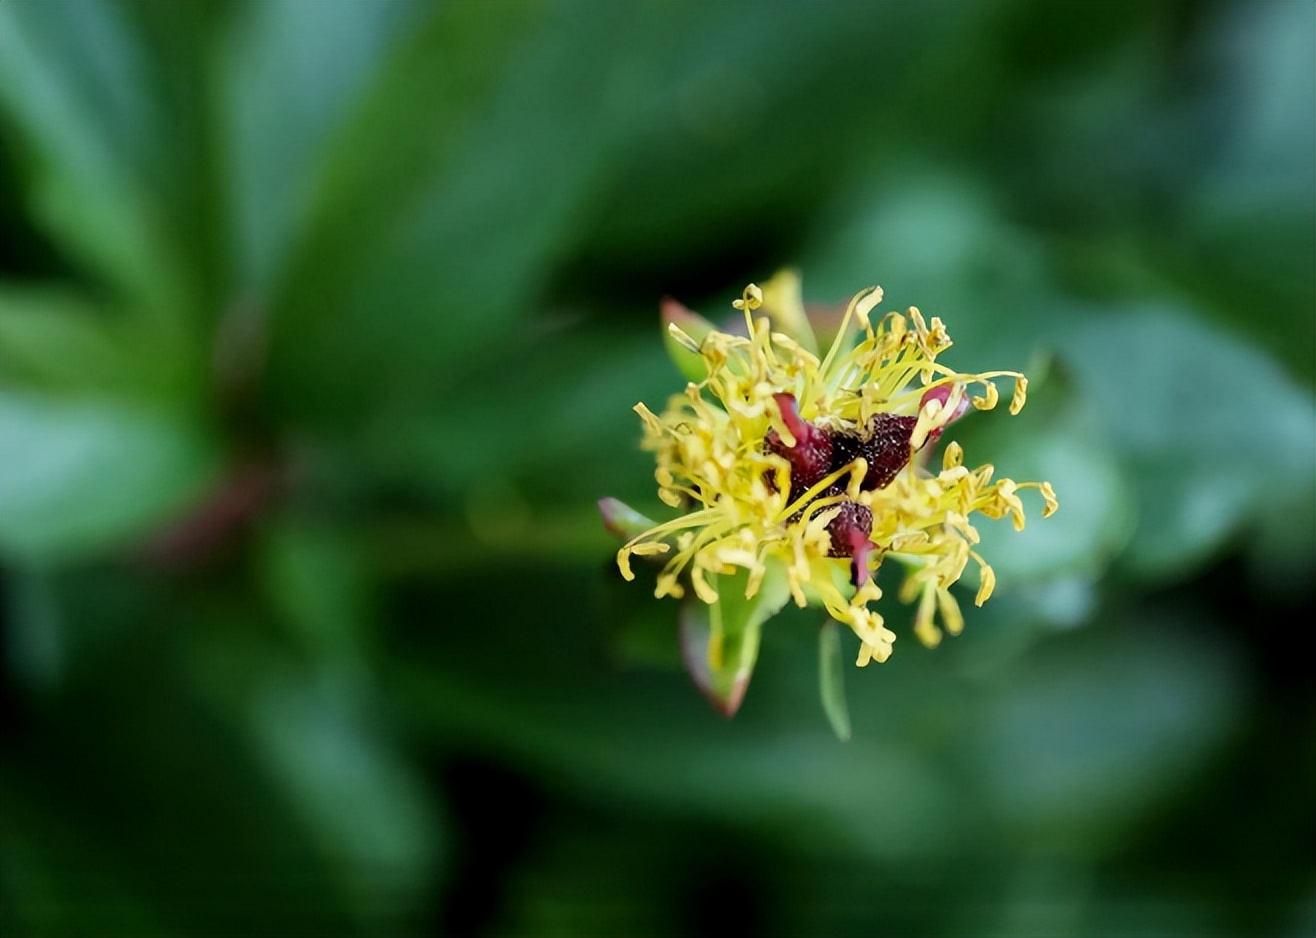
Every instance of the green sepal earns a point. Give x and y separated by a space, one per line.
689 325
623 520
826 322
783 302
831 679
720 641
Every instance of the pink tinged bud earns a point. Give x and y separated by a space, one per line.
942 393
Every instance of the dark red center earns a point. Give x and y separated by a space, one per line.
884 445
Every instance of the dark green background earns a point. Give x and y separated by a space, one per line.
320 326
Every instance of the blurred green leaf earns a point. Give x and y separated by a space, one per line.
41 844
77 478
315 733
1082 737
154 811
470 205
364 805
293 74
1058 440
60 342
1251 213
75 81
932 237
753 139
494 425
315 577
1210 428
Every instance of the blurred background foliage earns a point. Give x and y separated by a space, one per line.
320 325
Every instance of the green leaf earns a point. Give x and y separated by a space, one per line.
1210 428
313 576
41 828
77 478
1058 439
58 340
293 72
364 803
1111 718
930 223
76 83
573 439
467 209
831 678
720 641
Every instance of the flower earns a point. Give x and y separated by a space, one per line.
790 465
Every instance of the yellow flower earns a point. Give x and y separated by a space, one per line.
791 465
